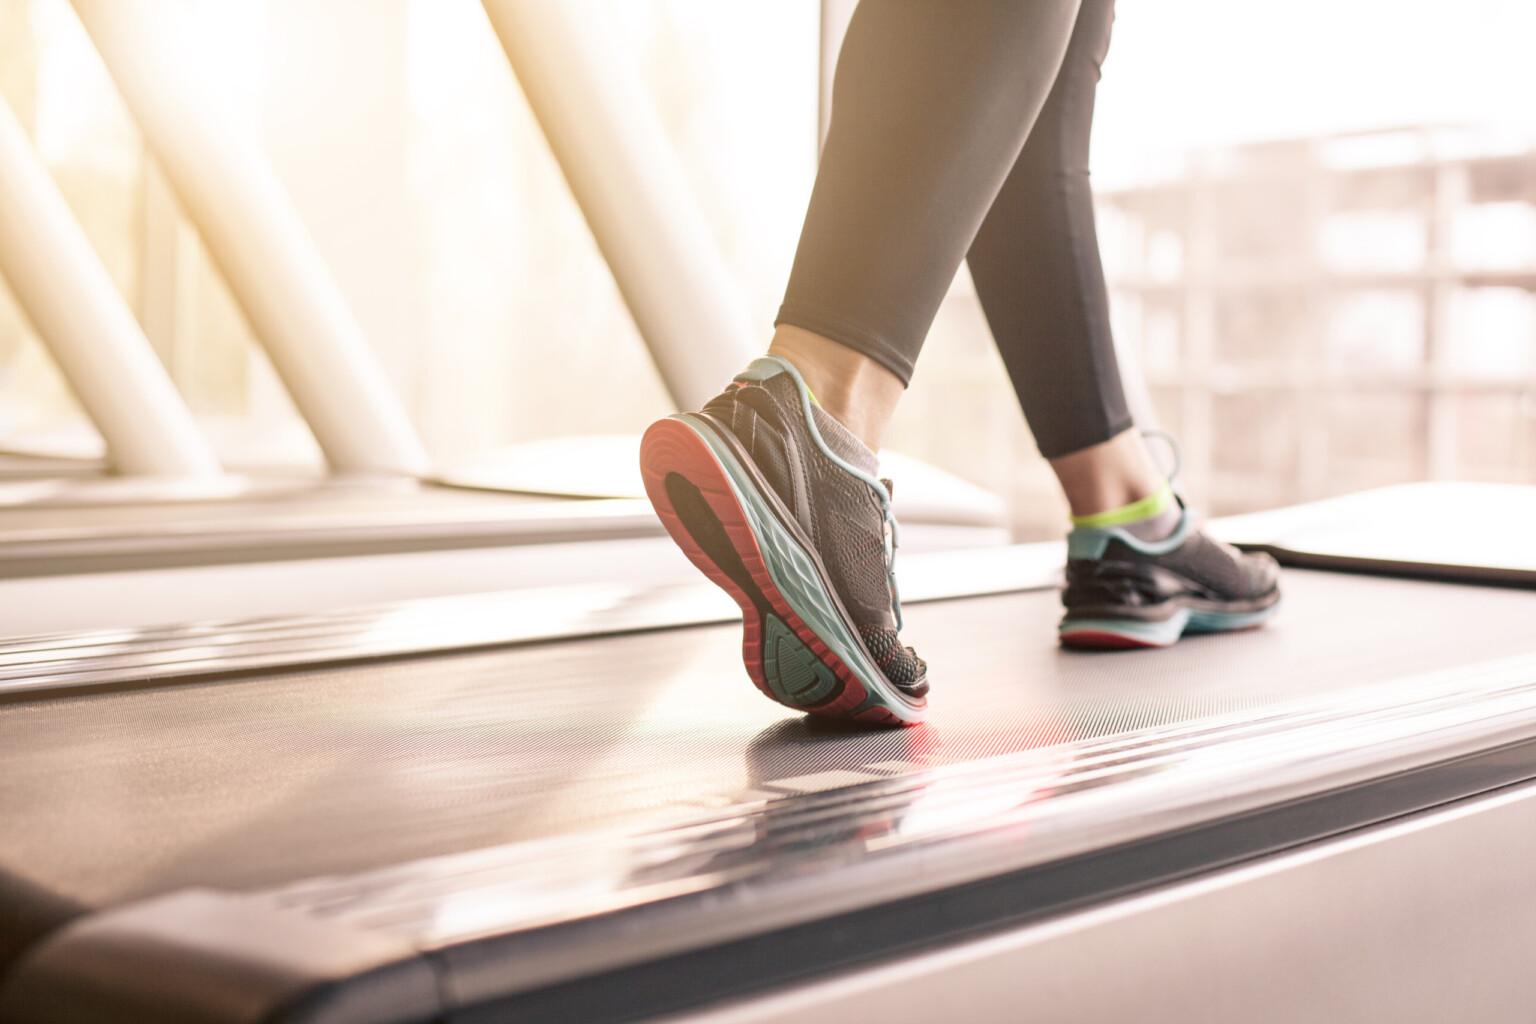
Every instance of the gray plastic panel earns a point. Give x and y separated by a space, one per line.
41 666
326 521
1472 532
1384 925
210 958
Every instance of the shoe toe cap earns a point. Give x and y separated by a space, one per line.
1263 573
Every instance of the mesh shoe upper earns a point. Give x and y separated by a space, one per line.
837 512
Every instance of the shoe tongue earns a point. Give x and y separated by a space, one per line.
843 443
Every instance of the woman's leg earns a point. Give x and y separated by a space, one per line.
1035 261
772 488
1140 569
858 392
930 107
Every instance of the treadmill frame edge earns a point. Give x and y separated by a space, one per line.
1345 914
233 960
240 958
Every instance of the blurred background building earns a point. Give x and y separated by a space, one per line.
1319 226
1321 316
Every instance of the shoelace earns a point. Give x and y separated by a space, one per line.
892 535
1173 446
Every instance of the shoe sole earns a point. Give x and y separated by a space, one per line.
1110 634
714 511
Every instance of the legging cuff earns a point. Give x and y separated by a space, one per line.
849 335
1064 443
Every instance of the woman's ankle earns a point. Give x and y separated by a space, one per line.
1109 475
855 390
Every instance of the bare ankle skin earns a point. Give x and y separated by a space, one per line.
1108 475
862 395
857 391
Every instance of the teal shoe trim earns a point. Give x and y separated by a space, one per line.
764 367
796 578
1090 542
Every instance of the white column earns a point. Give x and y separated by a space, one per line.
336 126
1452 192
78 312
626 178
251 229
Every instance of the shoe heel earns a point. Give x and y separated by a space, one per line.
671 448
696 500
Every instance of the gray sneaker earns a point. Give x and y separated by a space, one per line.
779 504
1123 591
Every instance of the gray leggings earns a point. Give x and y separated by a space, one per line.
960 130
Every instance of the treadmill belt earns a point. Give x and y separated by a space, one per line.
254 783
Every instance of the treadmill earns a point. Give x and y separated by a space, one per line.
567 804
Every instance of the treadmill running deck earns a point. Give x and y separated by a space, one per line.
252 783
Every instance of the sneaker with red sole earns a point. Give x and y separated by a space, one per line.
780 505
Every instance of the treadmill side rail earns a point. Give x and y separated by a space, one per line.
1390 924
200 957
